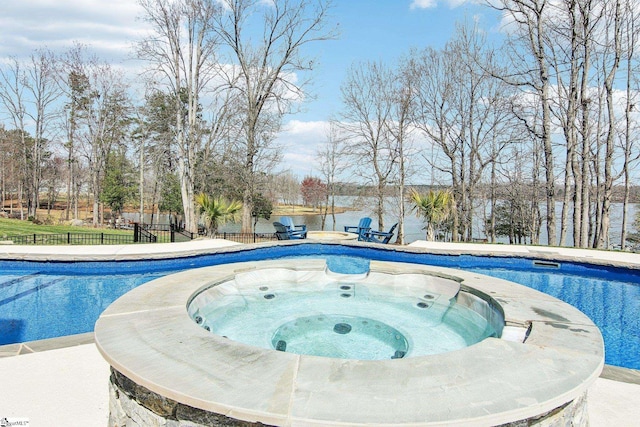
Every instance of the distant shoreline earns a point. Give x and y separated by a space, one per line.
304 210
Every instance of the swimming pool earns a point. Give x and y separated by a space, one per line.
48 299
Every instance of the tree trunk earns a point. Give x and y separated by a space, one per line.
631 38
548 153
603 239
141 184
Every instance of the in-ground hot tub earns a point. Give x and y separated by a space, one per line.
349 314
331 235
534 359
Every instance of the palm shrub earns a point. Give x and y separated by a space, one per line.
215 211
434 208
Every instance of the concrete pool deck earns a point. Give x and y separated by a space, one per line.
627 259
28 252
69 385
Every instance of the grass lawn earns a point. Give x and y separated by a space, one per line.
17 227
12 227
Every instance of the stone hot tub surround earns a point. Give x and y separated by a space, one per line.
164 365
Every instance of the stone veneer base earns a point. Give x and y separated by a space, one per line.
133 404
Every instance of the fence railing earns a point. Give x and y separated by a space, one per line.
170 233
70 239
140 234
143 235
247 237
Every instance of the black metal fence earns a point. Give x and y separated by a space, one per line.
247 237
159 233
164 233
70 239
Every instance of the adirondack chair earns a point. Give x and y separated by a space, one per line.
284 233
381 236
361 229
294 229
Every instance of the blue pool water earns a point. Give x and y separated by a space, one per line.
36 305
49 299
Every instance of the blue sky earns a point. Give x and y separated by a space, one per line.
383 30
370 30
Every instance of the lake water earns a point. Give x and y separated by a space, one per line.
414 227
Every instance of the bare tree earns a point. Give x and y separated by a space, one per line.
630 38
10 166
265 71
52 176
566 107
73 78
28 93
436 118
571 25
403 93
331 166
44 93
367 97
611 62
529 19
181 53
4 166
465 112
582 158
103 126
284 188
14 101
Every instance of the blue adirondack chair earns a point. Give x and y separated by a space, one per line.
361 229
294 229
281 231
381 236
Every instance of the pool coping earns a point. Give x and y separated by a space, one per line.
205 246
609 372
562 357
578 255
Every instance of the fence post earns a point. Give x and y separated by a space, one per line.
34 238
173 235
136 232
102 238
68 238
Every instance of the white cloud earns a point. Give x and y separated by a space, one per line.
108 26
423 4
428 4
301 141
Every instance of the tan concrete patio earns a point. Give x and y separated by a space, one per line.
68 386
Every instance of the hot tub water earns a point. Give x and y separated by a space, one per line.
360 315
